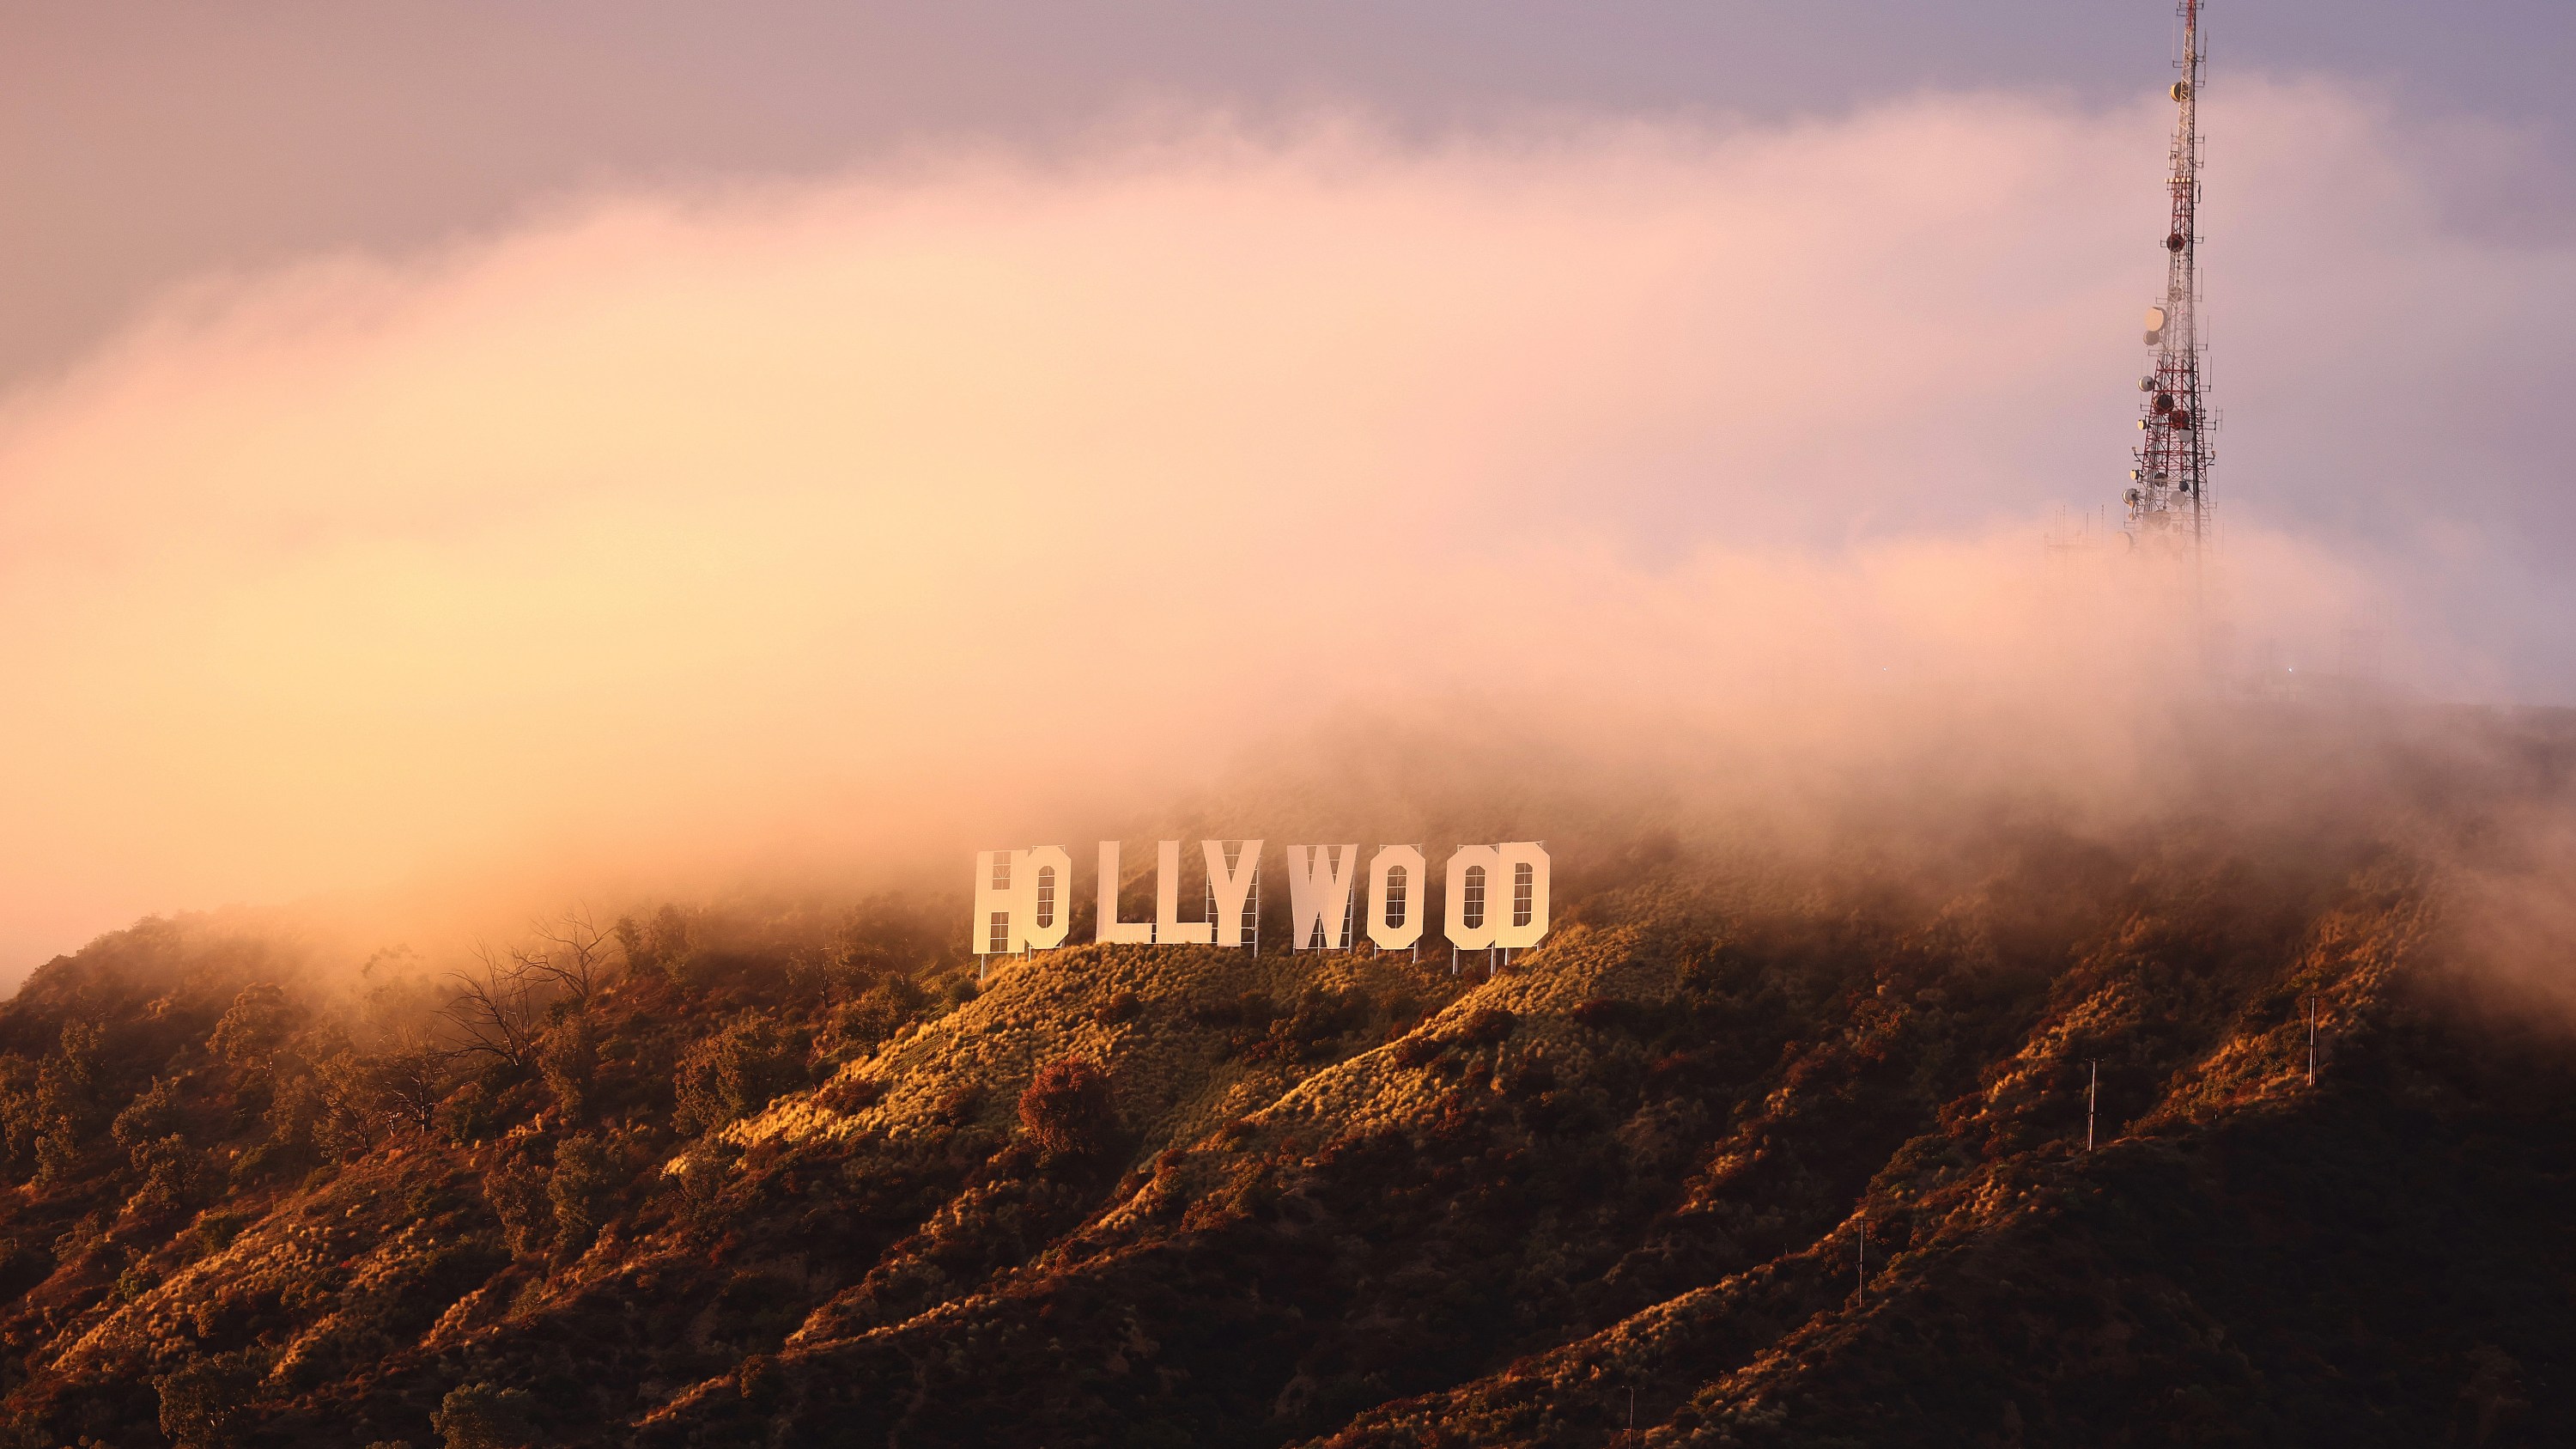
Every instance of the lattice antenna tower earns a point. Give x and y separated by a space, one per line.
2168 493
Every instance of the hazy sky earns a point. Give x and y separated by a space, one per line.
144 143
620 443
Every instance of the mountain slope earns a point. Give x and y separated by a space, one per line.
784 1179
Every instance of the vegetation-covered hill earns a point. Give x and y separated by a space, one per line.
725 1178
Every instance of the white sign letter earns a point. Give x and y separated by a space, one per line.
1519 895
1110 929
1048 894
1001 922
1472 869
1320 900
1396 880
1232 888
1169 928
1020 899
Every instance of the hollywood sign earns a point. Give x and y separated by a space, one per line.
1496 897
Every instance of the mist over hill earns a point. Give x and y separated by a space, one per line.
779 1172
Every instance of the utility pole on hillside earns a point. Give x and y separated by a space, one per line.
2092 1096
1860 1268
2312 1039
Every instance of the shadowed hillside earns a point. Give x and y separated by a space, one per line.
741 1177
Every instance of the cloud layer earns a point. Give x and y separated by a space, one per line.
678 534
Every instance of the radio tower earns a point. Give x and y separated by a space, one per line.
2169 490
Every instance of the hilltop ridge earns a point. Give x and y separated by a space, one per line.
746 1179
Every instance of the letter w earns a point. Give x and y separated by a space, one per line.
1319 894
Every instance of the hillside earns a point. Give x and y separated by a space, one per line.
727 1177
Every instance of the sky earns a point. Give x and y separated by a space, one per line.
147 144
611 447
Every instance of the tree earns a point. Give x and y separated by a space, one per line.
479 1416
496 1009
152 1115
730 1075
662 944
584 1179
254 1027
409 1081
202 1401
568 1055
151 1130
517 1189
573 960
329 1109
1067 1109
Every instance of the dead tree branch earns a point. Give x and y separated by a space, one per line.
495 1009
574 959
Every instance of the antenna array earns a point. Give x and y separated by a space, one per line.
2168 494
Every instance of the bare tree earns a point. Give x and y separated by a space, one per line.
497 1008
410 1080
574 958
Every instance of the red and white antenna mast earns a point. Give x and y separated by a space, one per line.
2169 491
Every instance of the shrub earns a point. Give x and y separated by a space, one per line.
569 1058
1067 1109
731 1075
24 1263
958 1105
518 1193
1305 1032
1601 1013
888 1004
173 1175
202 1401
479 1416
151 1116
215 1231
756 1378
57 1152
584 1179
663 944
466 1117
148 1130
20 1120
850 1094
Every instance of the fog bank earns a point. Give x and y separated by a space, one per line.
688 538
